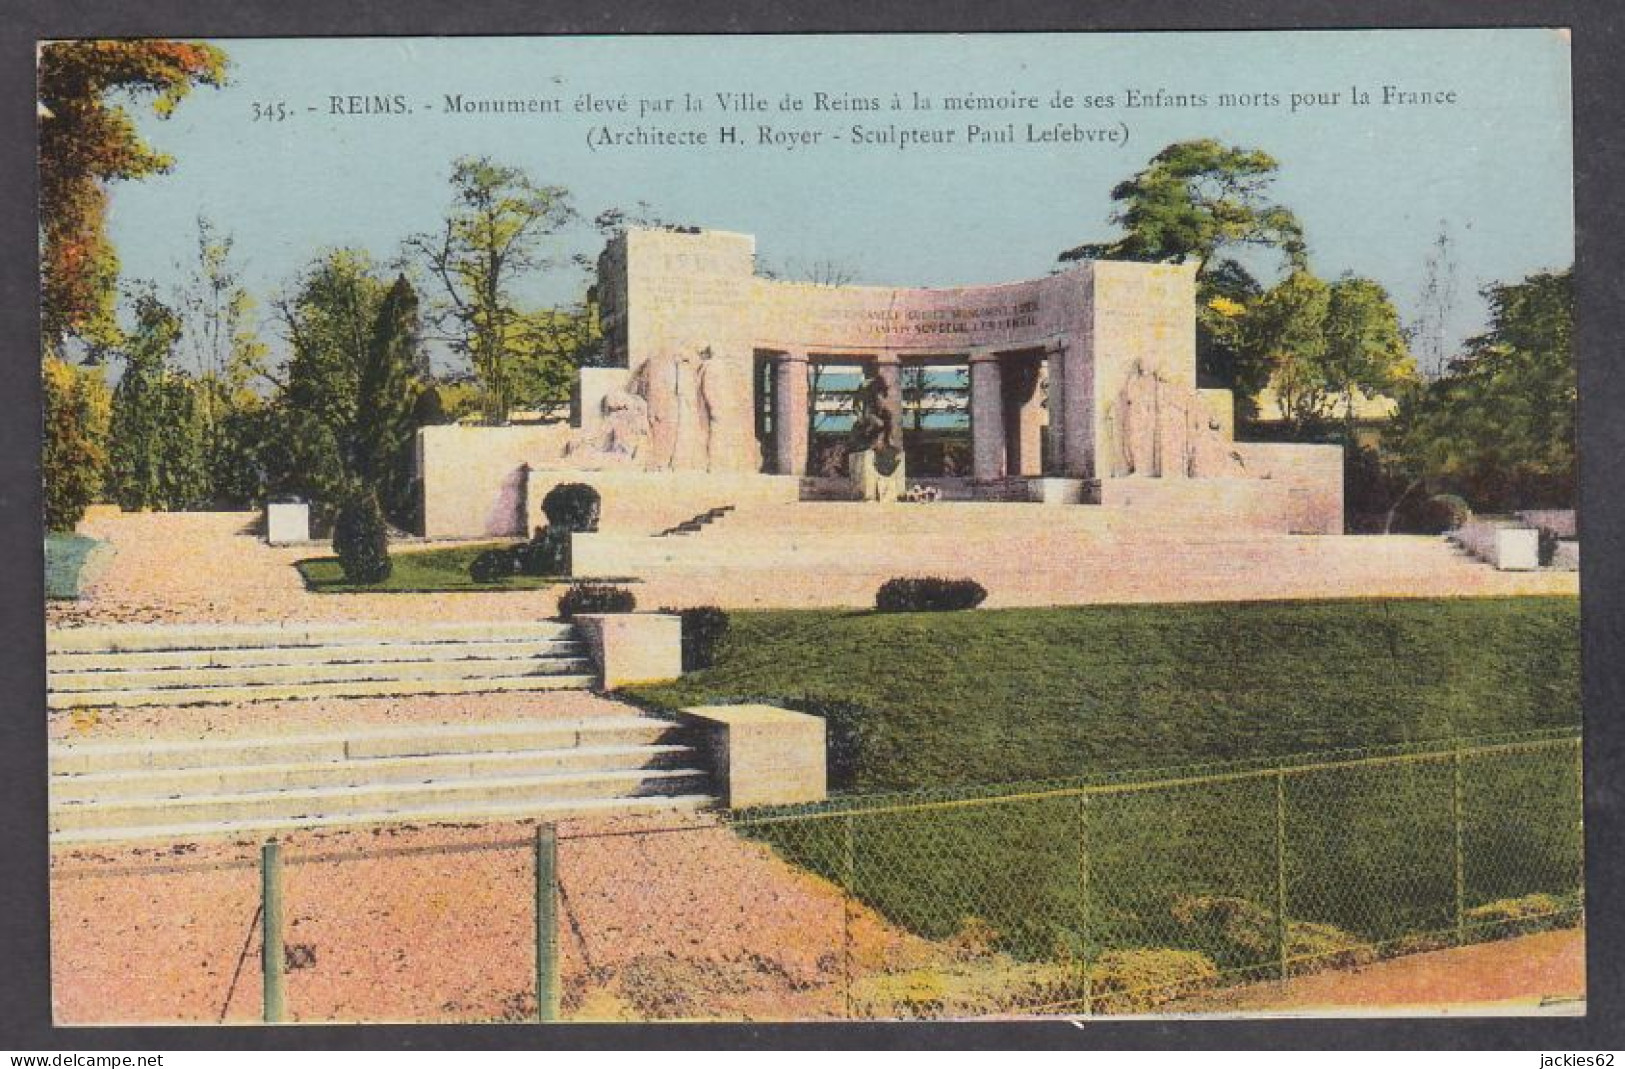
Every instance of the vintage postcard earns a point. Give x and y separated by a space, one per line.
805 528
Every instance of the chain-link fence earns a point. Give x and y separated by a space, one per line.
1125 894
1136 892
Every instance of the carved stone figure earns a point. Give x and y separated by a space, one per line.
1160 429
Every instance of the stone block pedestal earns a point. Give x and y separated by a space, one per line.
287 524
633 647
868 484
764 755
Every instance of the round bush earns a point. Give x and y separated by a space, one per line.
546 554
361 540
494 565
704 628
1433 515
571 507
929 595
594 597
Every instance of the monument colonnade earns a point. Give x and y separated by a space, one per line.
1007 404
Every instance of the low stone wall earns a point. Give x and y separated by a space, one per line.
1559 522
1508 547
473 478
647 502
1314 472
1278 506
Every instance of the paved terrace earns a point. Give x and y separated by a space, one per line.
210 567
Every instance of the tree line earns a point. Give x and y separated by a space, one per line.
200 416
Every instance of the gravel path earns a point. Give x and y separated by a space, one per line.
212 567
1508 974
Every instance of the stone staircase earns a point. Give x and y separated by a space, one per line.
542 769
191 665
698 523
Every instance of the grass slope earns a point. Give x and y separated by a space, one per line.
65 559
921 701
932 700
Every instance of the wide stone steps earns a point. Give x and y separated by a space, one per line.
298 775
454 814
462 795
229 636
346 672
192 665
462 773
301 691
359 653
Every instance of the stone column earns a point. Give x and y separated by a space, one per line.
1078 423
1057 409
1023 415
986 415
790 416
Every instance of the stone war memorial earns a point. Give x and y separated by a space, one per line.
1081 391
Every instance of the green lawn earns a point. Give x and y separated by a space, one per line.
920 700
923 701
65 559
420 571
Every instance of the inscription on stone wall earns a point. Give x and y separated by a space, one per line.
925 322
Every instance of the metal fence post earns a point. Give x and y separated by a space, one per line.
547 927
1280 871
1085 949
849 866
273 998
1460 849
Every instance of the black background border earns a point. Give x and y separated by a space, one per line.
1598 42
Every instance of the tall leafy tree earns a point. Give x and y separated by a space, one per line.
78 410
88 140
1327 346
157 454
1208 201
493 236
221 348
1499 426
352 386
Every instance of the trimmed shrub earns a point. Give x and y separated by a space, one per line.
546 554
1548 546
1136 981
704 628
1433 515
571 507
361 539
595 597
929 595
495 565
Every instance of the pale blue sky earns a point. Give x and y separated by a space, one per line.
1371 184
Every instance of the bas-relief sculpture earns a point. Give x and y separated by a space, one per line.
1160 429
664 419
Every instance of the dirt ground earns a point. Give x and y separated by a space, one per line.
1508 975
664 916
